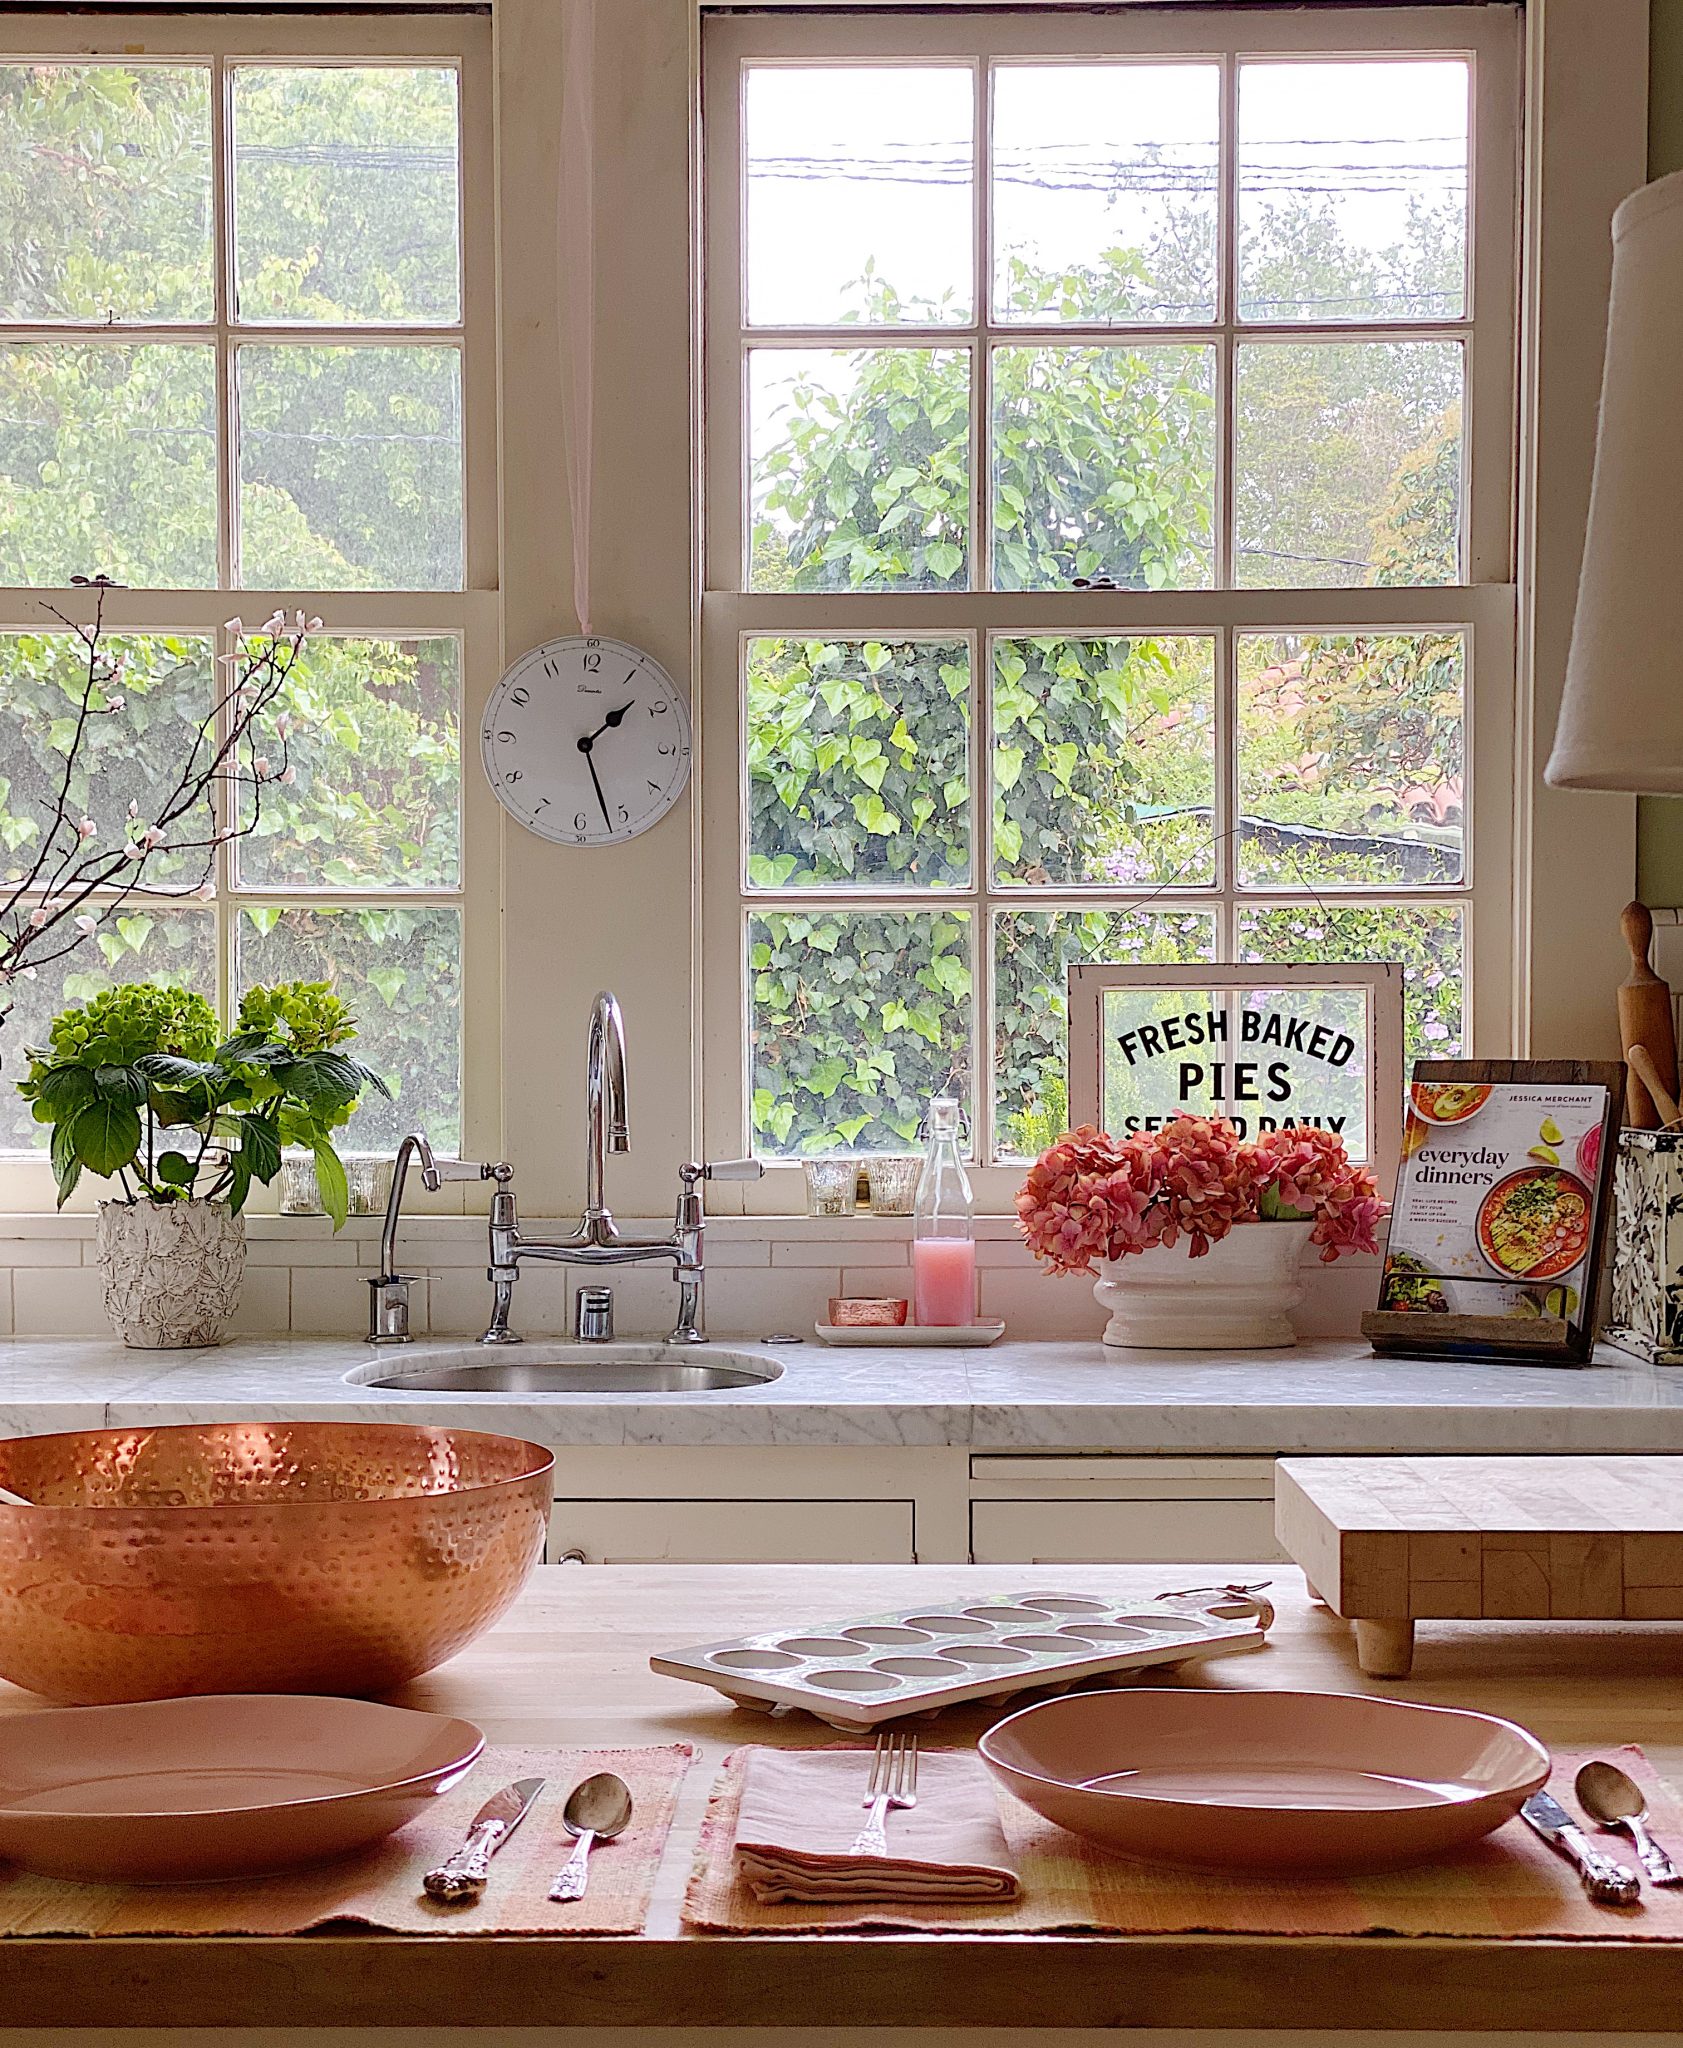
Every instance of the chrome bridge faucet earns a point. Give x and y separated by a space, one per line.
597 1240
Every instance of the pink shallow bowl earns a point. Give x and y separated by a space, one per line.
1266 1780
221 1785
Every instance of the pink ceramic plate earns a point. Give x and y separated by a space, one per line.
1266 1780
221 1785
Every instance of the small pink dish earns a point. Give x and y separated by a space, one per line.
857 1312
1298 1781
218 1785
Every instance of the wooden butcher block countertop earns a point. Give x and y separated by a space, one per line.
569 1665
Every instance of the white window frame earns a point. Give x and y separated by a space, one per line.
1484 608
469 616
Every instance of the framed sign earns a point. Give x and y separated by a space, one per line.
1264 1047
1500 1221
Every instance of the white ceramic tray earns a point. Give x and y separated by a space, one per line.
909 1333
859 1674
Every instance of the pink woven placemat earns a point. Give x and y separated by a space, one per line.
1510 1885
381 1886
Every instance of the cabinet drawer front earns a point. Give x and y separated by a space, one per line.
1123 1532
733 1531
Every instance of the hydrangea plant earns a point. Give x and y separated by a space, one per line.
139 1085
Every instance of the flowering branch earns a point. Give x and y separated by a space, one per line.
73 886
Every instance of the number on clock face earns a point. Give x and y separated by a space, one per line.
586 741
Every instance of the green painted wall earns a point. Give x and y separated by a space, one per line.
1659 832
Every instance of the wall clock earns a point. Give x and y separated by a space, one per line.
587 741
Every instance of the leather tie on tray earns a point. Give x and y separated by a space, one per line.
801 1812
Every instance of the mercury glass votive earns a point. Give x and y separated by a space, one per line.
831 1186
893 1181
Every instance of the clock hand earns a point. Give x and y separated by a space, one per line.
590 763
613 718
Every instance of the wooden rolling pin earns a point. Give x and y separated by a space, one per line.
1645 1019
1642 1066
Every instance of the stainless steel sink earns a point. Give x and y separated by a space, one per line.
570 1369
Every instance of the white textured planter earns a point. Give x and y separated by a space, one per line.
172 1271
1238 1297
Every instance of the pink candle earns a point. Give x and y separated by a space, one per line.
943 1281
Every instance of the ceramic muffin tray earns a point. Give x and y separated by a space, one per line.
859 1674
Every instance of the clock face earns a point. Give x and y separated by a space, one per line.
587 742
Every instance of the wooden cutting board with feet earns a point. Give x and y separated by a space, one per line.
1387 1542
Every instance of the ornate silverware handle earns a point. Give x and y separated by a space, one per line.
1605 1879
461 1879
1659 1866
574 1874
872 1838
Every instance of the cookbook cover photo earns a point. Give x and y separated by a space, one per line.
1498 1199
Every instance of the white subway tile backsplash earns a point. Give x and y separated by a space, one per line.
264 1301
764 1273
58 1301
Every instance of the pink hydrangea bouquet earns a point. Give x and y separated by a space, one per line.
1090 1197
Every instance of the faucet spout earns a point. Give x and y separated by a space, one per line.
605 1107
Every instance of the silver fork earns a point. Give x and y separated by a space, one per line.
893 1784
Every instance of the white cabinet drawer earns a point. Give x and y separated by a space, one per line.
733 1531
1044 1476
1123 1532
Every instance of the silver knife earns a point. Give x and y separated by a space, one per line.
1608 1882
460 1880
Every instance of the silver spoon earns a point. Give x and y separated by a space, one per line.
1613 1798
596 1810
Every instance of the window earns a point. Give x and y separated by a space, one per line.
1109 438
244 362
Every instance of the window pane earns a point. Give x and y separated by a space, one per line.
1104 191
140 942
400 971
135 754
376 749
1428 940
859 763
1103 466
108 463
105 185
1349 463
857 1018
859 194
861 469
1033 953
350 468
1351 759
1353 190
1104 761
345 193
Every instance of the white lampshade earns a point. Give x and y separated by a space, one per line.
1621 719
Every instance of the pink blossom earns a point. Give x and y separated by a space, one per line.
86 925
288 774
86 829
1090 1197
37 918
260 768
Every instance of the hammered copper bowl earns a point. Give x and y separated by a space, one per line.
326 1557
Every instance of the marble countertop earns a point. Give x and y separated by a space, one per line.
1322 1396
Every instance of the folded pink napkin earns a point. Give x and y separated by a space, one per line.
802 1809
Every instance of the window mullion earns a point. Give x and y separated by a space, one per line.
1227 231
222 263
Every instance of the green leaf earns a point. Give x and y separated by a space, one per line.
120 1084
177 1169
63 1090
944 559
169 1070
67 1168
260 1147
105 1136
324 1080
331 1184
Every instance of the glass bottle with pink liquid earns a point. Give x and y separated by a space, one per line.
944 1229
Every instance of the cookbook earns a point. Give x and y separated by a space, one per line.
1500 1205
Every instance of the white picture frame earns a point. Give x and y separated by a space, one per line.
1376 1026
